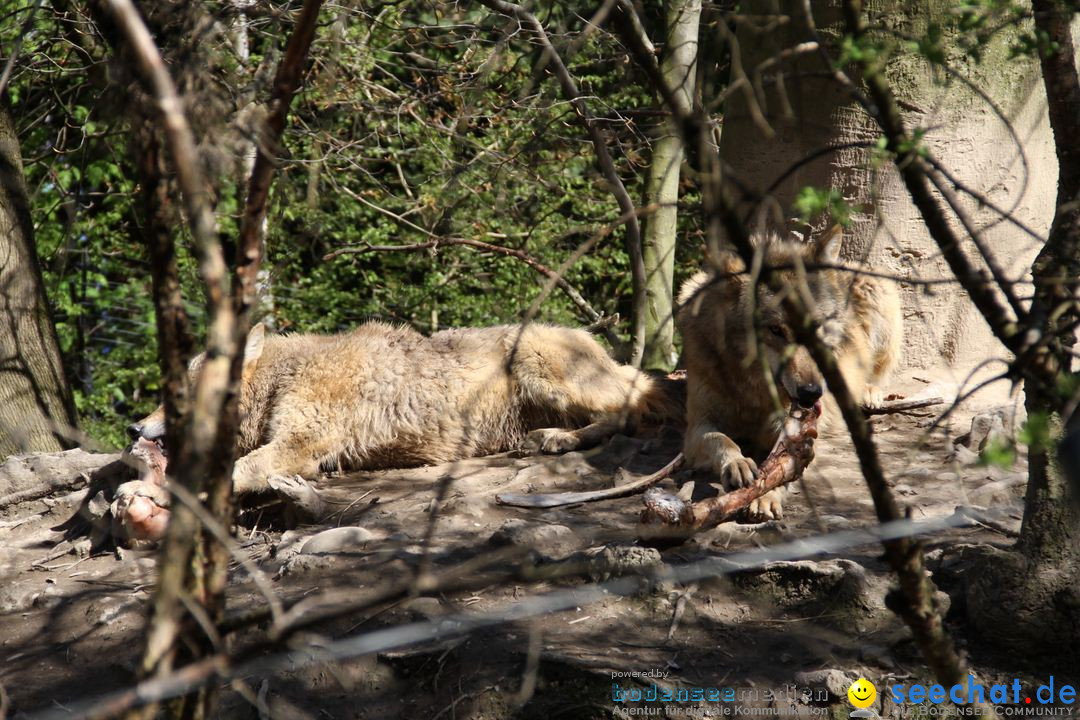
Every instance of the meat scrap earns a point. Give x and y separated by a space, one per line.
140 508
668 516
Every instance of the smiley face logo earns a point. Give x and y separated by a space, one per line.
862 693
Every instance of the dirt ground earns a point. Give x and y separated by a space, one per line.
71 627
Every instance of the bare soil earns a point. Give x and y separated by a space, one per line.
71 626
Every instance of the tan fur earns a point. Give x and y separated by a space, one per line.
383 396
731 414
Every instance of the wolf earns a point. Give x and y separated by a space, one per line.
385 396
731 415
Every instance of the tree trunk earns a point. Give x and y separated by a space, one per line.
1035 593
793 110
679 72
36 409
792 125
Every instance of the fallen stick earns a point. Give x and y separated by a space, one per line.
980 516
668 516
896 406
542 500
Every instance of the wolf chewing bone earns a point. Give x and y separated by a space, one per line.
668 516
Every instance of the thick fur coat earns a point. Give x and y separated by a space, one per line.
731 410
383 396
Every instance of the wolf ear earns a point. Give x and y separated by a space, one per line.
827 248
725 262
253 349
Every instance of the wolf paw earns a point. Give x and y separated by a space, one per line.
300 495
738 472
873 396
550 440
767 507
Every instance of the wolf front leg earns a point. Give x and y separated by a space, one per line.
706 448
559 440
253 471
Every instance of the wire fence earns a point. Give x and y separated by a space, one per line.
215 669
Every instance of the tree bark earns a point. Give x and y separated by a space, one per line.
1029 599
1051 527
679 71
786 107
37 413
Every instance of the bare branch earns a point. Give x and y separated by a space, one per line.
548 500
899 406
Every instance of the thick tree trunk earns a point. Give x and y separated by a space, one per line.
789 124
786 107
36 409
1030 599
679 72
1051 528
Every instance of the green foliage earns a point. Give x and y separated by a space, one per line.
811 203
930 45
1068 385
423 122
1035 432
998 453
1036 43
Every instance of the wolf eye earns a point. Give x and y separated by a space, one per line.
777 330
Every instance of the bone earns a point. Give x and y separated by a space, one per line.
668 516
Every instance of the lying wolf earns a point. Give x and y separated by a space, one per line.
731 415
383 396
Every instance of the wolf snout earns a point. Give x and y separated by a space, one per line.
148 430
808 394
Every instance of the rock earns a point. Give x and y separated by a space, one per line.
572 462
338 540
15 599
838 590
304 563
836 522
424 608
615 560
547 539
835 682
986 428
48 598
963 456
999 493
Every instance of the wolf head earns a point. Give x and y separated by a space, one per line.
152 427
717 308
